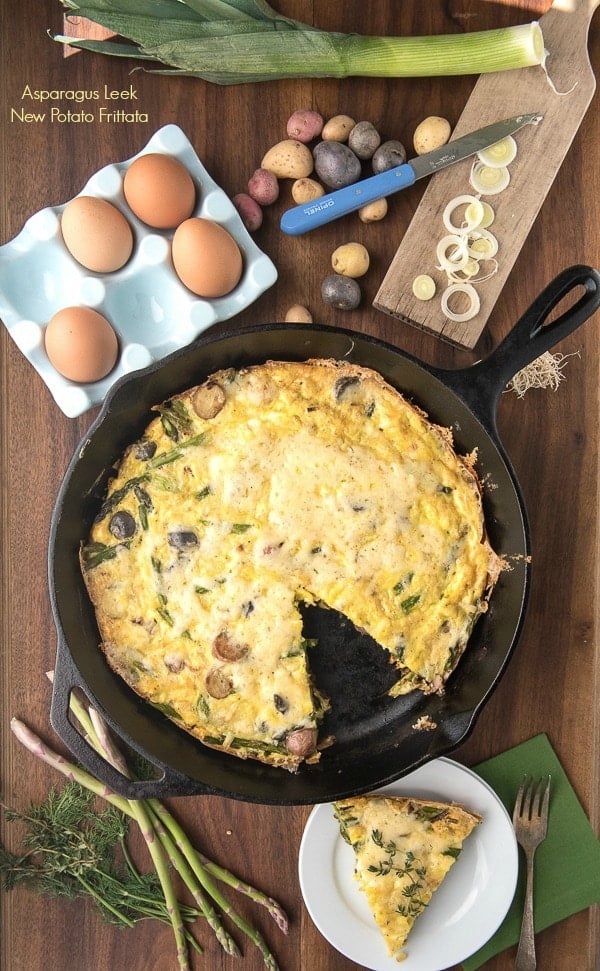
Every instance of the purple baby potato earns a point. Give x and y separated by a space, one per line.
336 165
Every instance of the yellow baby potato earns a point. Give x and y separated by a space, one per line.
431 133
338 128
305 190
373 212
297 314
350 259
289 159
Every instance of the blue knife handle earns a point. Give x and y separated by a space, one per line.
313 214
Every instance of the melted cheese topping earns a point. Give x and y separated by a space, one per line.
312 482
403 850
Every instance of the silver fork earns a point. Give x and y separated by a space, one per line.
530 821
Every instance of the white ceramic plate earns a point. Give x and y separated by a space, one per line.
464 912
152 313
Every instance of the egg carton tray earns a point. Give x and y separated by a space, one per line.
151 311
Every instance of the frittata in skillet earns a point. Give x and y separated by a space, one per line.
403 849
268 486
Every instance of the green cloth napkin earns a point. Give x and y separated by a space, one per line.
567 863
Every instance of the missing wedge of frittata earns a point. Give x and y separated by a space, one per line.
261 490
403 850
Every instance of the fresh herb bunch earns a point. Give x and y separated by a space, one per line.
71 850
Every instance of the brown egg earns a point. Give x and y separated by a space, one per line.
81 344
96 234
159 190
206 258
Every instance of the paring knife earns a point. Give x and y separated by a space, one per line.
310 215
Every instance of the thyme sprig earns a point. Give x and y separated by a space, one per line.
116 885
408 867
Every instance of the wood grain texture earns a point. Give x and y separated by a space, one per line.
79 27
563 102
551 685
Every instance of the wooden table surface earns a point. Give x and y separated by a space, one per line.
552 438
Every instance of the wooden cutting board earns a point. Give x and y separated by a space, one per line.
541 150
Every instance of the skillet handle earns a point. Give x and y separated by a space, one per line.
171 783
483 383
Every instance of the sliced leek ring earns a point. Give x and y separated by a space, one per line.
469 271
500 154
486 274
471 268
473 297
423 287
487 180
473 215
488 215
452 252
483 245
477 271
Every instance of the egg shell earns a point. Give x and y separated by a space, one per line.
159 190
96 234
81 344
206 257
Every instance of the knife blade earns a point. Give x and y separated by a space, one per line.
311 215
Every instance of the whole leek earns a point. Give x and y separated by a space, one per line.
237 41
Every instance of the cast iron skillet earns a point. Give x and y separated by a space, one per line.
375 741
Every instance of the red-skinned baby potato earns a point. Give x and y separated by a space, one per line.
263 187
305 125
249 210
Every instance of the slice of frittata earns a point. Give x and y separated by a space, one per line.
403 849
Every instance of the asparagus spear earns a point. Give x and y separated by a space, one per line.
164 837
99 736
